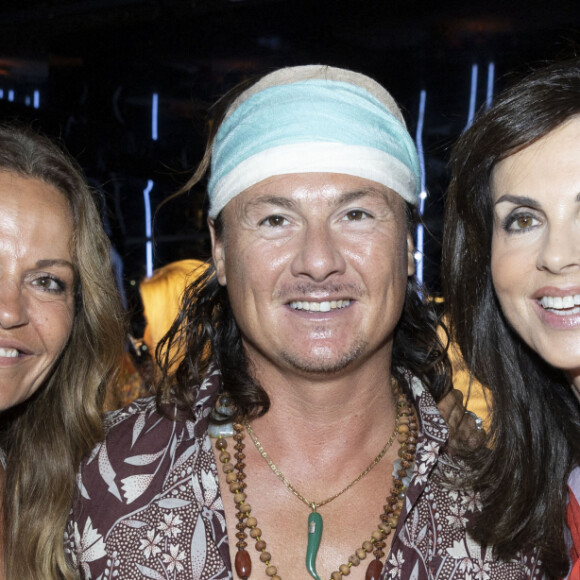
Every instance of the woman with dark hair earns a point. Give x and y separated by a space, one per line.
61 332
512 283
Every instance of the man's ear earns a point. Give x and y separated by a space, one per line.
218 253
410 255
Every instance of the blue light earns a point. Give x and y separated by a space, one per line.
423 194
27 100
11 95
149 242
419 253
154 114
1 93
420 150
472 96
36 99
490 81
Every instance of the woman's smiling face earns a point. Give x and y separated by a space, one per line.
37 281
535 257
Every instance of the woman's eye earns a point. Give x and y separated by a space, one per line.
274 221
49 284
521 222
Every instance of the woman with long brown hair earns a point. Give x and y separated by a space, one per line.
61 332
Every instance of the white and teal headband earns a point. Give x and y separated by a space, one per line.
312 119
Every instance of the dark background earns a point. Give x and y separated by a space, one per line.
95 65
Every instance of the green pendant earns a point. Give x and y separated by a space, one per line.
314 537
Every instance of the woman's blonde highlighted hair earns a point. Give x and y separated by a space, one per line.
46 437
161 295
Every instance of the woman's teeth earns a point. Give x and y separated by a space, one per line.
560 302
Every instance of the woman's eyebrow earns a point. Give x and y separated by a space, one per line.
517 200
56 262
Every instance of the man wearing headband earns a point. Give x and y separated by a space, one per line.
300 436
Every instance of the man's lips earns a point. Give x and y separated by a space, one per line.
9 352
319 305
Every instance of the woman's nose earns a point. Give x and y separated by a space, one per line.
13 310
560 250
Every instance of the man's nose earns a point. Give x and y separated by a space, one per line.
319 255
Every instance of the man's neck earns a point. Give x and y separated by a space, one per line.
326 420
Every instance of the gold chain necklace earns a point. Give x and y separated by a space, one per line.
235 477
314 505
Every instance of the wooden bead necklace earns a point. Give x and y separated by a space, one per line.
407 429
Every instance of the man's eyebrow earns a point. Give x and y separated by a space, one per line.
276 200
346 197
355 194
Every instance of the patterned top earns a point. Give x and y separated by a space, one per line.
148 505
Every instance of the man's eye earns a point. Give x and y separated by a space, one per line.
356 215
274 221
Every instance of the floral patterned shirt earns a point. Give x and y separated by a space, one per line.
148 504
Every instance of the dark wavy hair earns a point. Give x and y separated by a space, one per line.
46 436
534 438
207 331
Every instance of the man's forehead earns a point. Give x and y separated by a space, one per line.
330 190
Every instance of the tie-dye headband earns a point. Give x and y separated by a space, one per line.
312 119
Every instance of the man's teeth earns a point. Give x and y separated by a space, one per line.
9 352
560 302
325 306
